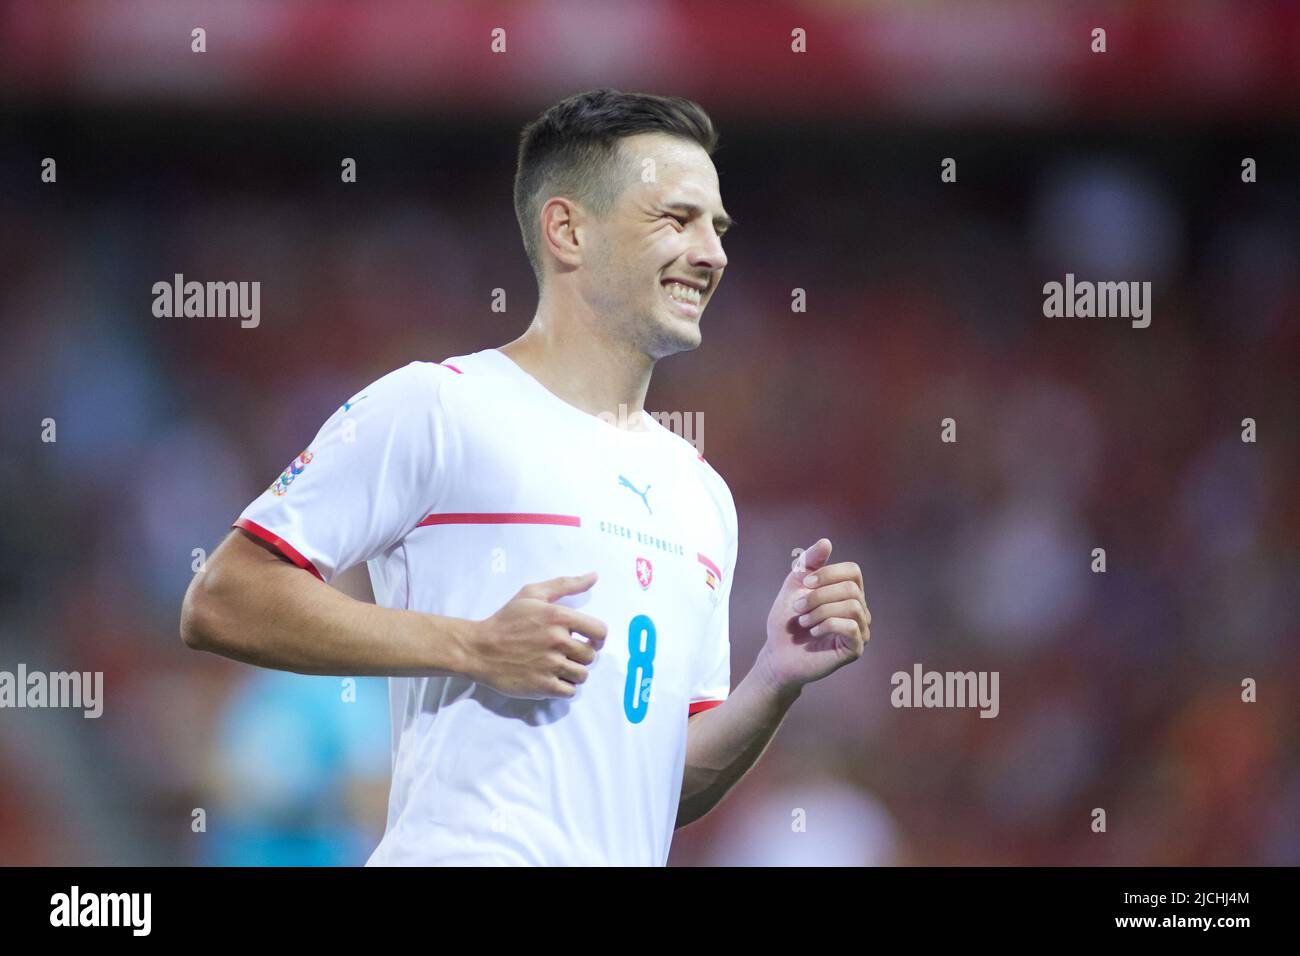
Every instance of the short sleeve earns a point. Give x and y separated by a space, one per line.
373 472
712 679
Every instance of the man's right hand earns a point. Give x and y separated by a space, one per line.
528 648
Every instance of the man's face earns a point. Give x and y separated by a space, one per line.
656 258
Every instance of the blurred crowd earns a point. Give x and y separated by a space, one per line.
1119 690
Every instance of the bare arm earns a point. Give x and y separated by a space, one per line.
251 605
724 742
818 624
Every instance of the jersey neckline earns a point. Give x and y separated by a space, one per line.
519 372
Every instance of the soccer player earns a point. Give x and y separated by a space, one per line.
551 567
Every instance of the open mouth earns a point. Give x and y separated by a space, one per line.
683 297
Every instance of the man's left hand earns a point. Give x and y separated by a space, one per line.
819 621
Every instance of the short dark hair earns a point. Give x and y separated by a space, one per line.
569 149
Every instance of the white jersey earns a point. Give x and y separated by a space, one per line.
458 483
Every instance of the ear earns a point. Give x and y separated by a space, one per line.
562 227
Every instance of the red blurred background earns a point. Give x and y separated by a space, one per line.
1119 690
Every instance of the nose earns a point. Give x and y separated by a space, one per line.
708 254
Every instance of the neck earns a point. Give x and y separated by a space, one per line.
574 362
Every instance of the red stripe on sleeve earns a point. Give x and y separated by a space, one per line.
275 541
702 705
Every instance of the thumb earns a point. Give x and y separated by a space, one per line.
556 588
812 559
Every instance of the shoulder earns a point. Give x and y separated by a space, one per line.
726 503
414 385
408 399
409 380
693 460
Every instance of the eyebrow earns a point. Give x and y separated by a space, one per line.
721 223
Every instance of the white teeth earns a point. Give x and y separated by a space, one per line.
683 293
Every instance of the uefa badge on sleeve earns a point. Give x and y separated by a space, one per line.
281 484
645 572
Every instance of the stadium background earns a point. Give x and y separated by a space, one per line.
1119 690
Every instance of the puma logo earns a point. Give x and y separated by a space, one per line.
641 494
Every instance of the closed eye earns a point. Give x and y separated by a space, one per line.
721 222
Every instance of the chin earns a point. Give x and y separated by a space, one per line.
672 337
